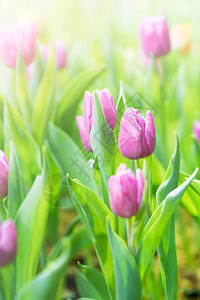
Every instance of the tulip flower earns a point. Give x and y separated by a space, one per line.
107 104
8 242
196 130
4 167
84 134
60 53
125 190
137 137
18 35
154 36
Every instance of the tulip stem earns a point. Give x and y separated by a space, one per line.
129 234
137 164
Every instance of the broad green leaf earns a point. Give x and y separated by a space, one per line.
7 279
102 140
21 89
25 146
167 247
68 156
85 288
31 222
15 189
158 172
127 277
97 281
95 213
72 95
44 103
191 199
45 284
157 224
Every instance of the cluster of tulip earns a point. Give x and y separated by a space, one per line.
23 35
122 186
137 139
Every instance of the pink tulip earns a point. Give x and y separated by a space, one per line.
60 53
4 168
137 137
196 130
84 134
8 242
126 191
15 35
107 104
154 36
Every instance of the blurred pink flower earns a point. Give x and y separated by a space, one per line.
14 35
154 36
8 242
4 168
60 53
196 130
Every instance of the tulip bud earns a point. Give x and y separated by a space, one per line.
196 130
137 137
154 36
4 167
15 35
60 53
126 191
8 242
107 104
84 134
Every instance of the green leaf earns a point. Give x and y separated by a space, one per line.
7 280
45 284
68 156
167 248
97 281
25 146
44 103
31 222
156 225
15 189
191 199
127 277
72 95
102 140
95 213
120 108
85 288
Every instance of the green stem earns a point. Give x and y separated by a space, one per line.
129 234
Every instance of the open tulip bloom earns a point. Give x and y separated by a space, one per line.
106 167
